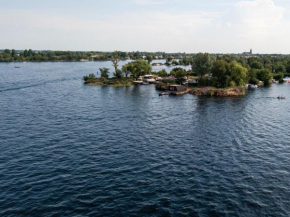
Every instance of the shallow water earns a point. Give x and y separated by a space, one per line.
73 150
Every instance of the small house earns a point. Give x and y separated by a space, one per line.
176 88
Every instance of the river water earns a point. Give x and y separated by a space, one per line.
73 150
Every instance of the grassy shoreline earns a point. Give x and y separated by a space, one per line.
110 82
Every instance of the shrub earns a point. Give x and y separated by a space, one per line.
162 86
279 76
89 77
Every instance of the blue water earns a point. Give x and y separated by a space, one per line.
73 150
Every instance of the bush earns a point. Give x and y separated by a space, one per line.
179 74
89 77
104 73
204 82
162 73
162 86
263 75
118 74
279 76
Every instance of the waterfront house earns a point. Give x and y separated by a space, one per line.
176 88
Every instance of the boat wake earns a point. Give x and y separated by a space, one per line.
39 84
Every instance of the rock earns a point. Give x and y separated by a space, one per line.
211 91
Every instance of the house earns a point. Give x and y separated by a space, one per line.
176 88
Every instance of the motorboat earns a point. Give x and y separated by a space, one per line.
253 86
281 97
149 79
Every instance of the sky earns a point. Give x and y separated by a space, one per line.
191 26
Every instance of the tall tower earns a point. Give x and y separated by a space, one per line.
251 51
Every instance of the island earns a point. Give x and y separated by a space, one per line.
220 76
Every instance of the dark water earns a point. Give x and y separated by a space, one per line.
74 150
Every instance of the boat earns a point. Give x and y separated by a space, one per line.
281 97
252 86
287 79
17 67
164 94
149 79
138 82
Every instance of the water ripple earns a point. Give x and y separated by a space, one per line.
72 150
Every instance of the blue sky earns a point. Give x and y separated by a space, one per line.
224 26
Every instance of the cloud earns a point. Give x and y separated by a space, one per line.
259 24
148 2
257 18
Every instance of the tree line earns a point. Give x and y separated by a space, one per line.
212 70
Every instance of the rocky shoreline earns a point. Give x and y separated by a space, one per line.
212 91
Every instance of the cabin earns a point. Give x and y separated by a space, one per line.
176 88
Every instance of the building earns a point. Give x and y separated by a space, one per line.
176 88
248 53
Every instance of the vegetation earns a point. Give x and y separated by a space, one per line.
216 70
202 63
104 73
163 73
179 74
115 60
137 68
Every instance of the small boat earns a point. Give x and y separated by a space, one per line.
138 82
252 86
149 79
17 67
281 97
164 94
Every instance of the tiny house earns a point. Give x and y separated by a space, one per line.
176 88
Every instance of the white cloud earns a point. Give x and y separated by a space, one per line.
258 24
257 18
148 2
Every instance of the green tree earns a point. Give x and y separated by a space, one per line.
25 53
162 73
220 73
253 77
137 68
279 67
263 75
89 77
13 53
149 58
256 65
238 74
104 73
202 63
115 60
7 51
127 69
30 53
118 74
179 74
